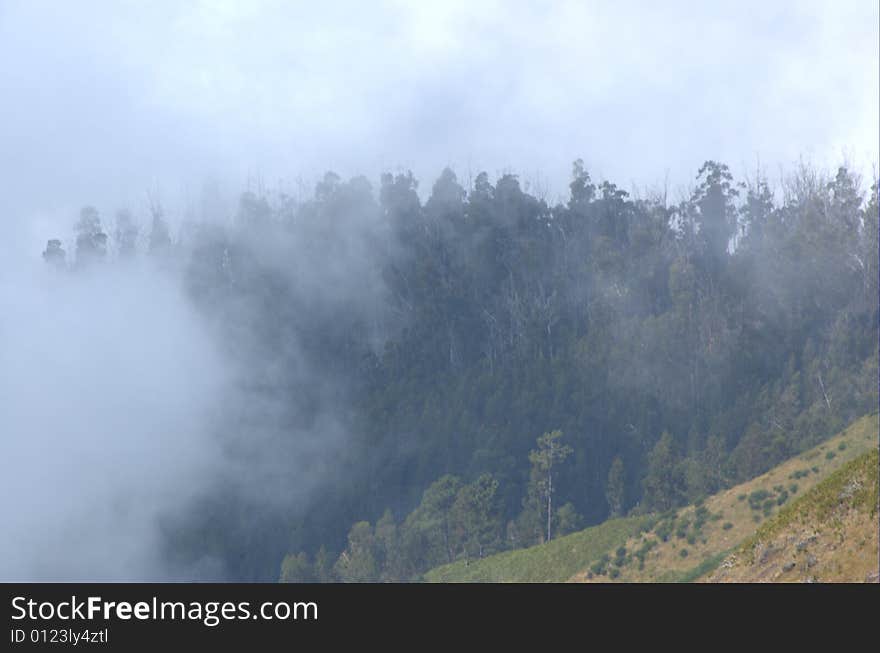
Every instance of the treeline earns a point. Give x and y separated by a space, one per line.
453 521
680 347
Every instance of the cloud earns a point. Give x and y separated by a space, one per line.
107 394
110 97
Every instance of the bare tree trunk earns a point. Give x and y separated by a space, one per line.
824 394
549 502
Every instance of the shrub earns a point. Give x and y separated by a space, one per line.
783 497
815 470
757 497
692 539
793 488
830 455
841 446
683 553
621 551
614 573
727 526
741 497
664 530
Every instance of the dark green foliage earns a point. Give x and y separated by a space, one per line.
830 455
615 488
759 498
841 446
297 569
727 526
793 488
613 573
683 553
448 333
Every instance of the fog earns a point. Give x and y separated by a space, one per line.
123 403
109 388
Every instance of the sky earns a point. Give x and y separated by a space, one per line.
102 101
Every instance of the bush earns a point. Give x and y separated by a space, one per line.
783 497
830 455
757 497
793 488
664 530
741 497
614 573
727 526
692 539
815 470
683 553
621 551
841 446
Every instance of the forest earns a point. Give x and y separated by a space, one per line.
485 369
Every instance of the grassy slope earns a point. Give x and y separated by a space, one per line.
731 517
570 557
829 534
555 561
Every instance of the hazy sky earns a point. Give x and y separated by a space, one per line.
102 100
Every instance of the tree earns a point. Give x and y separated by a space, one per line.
54 254
550 453
91 241
357 564
664 482
160 240
615 488
324 566
476 516
428 530
126 234
568 520
297 569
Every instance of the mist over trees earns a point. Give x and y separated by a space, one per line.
406 357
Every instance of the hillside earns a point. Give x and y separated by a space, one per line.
552 562
681 545
686 544
828 535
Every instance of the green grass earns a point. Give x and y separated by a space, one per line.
556 561
709 564
821 501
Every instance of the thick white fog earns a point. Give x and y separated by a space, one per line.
107 390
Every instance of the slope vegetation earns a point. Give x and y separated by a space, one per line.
828 535
687 544
690 543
